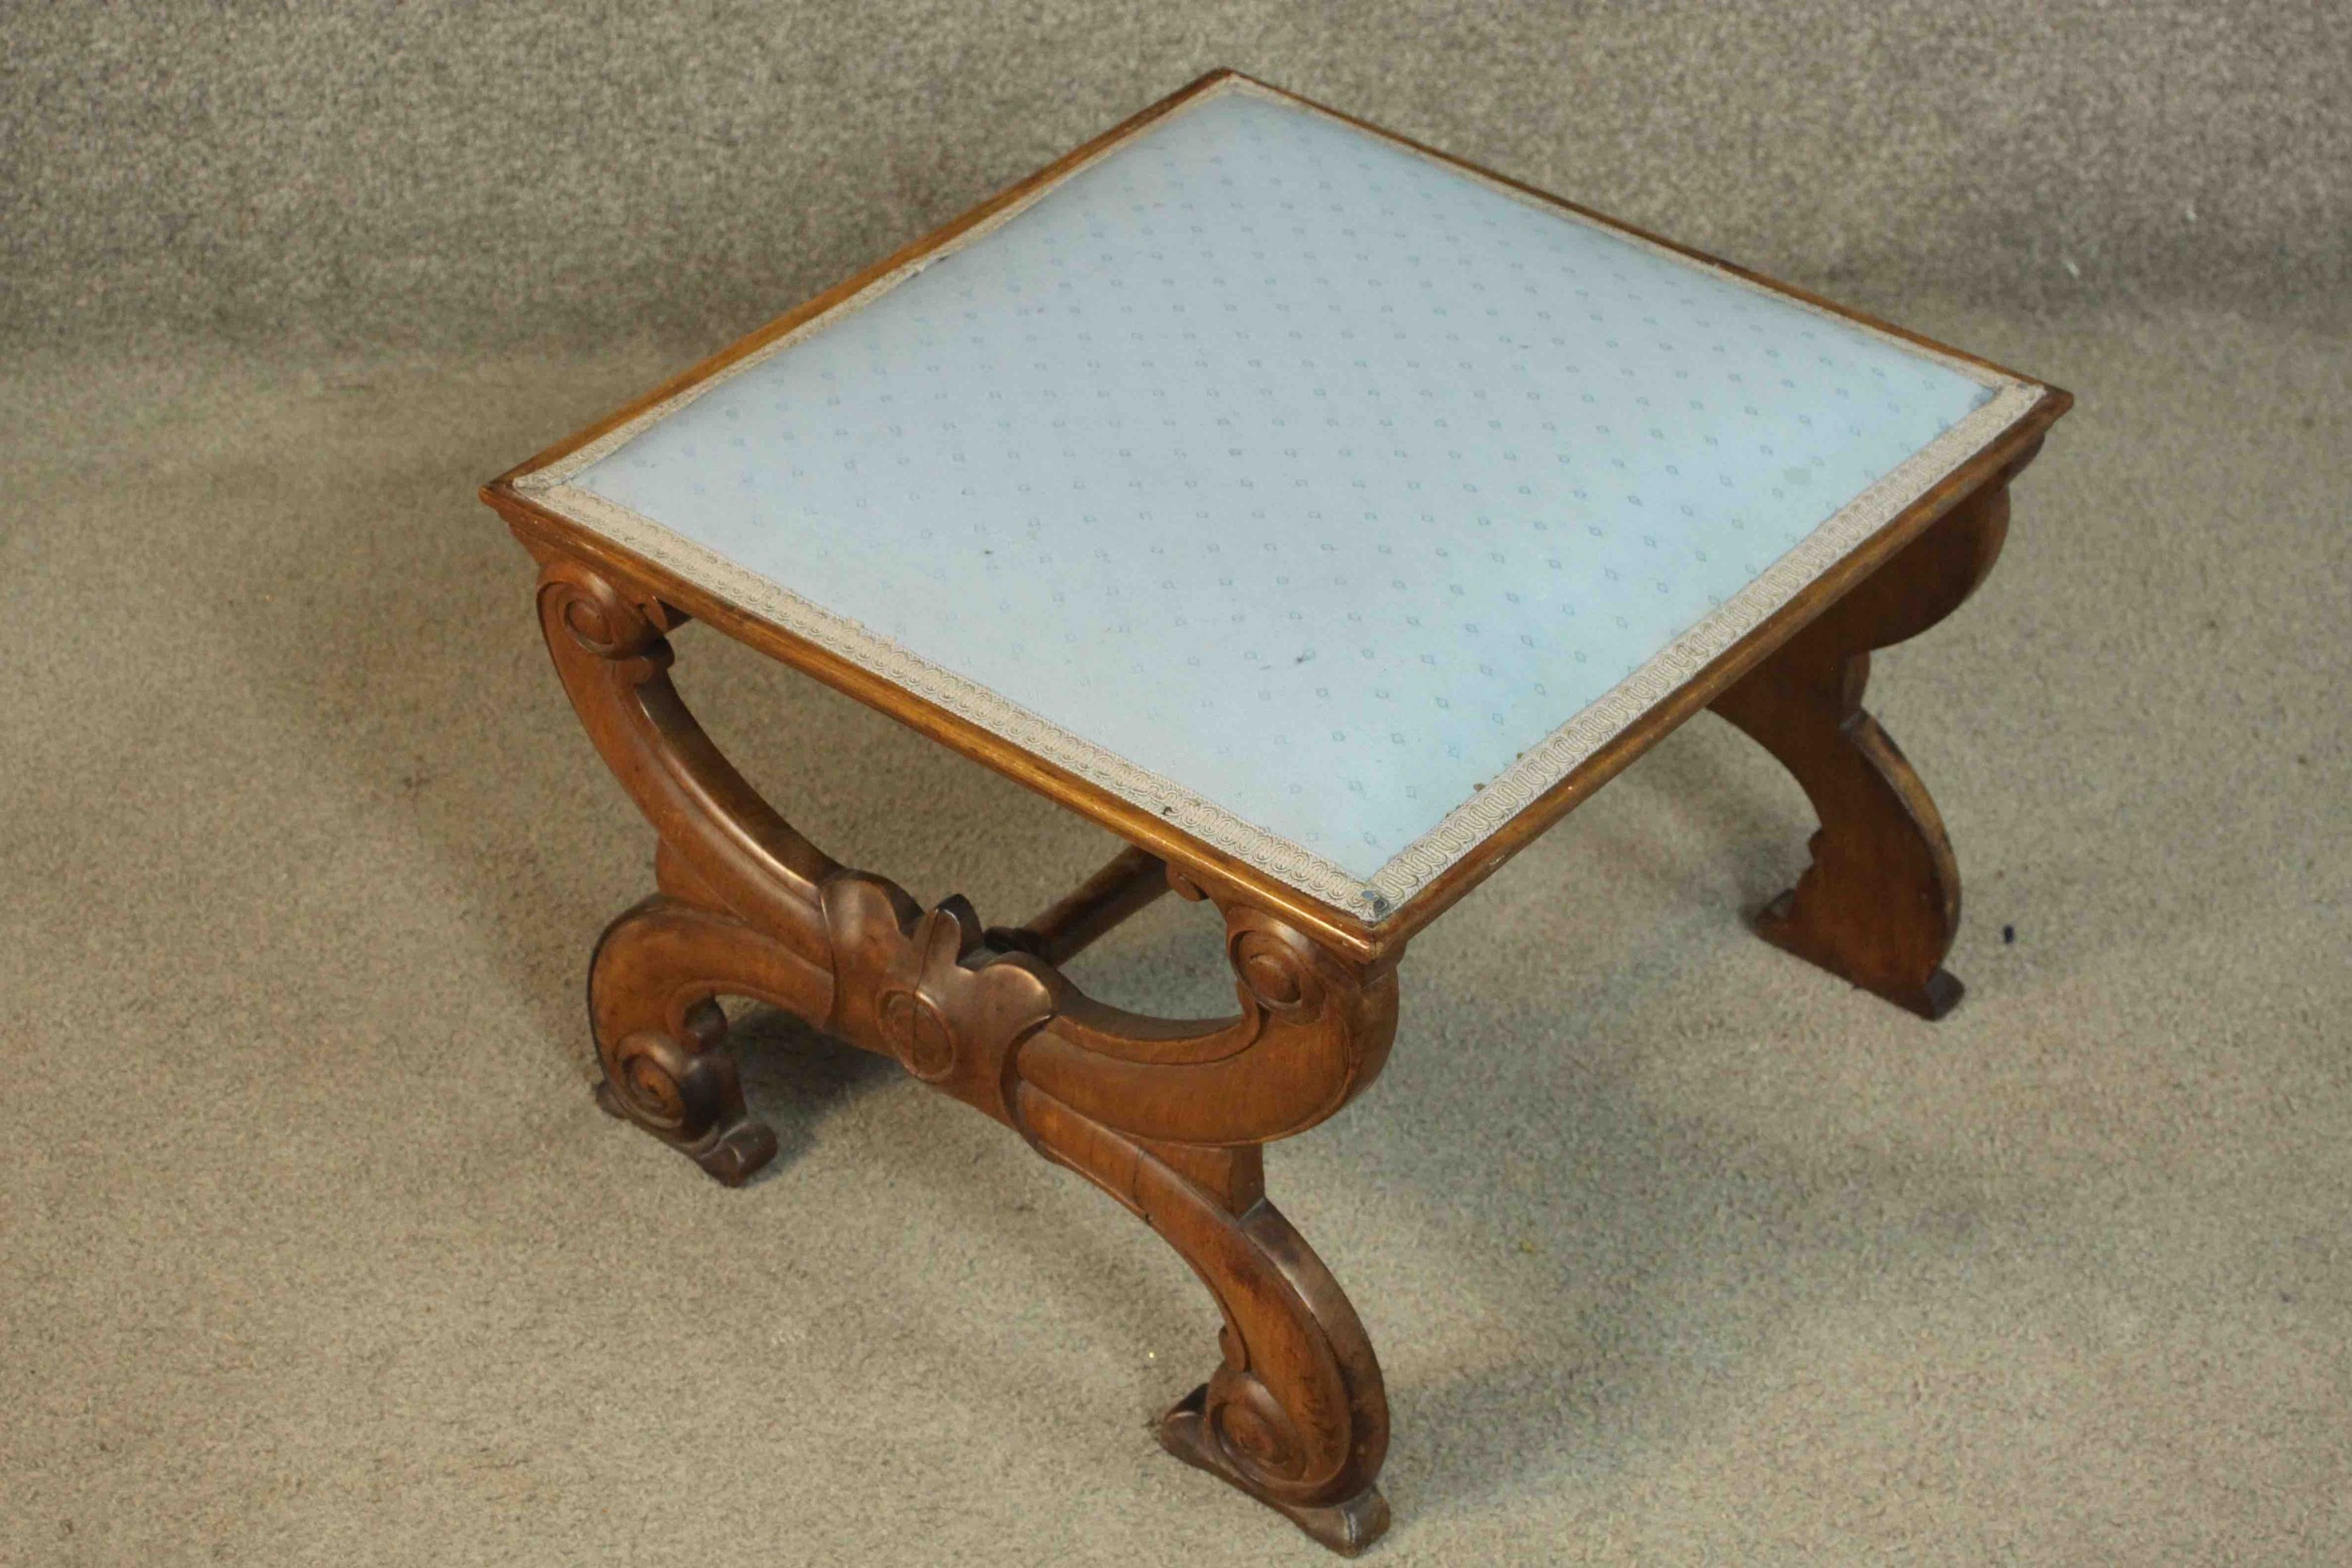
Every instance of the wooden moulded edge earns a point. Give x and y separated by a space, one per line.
546 533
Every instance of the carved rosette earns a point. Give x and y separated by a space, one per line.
1275 967
1167 1115
949 1021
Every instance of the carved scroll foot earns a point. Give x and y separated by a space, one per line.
661 1039
1297 1415
1166 1115
1880 905
1346 1528
732 1151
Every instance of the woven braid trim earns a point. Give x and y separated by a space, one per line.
1529 776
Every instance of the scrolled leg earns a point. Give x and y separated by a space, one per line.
1167 1116
1296 1415
725 859
661 1035
1879 903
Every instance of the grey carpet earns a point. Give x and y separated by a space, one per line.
436 174
315 1250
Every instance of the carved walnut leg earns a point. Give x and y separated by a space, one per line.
1167 1116
1297 1415
1880 905
651 1003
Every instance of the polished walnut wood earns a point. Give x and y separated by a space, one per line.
1880 905
1167 1115
1133 881
1171 1117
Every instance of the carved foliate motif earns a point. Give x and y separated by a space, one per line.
1167 1115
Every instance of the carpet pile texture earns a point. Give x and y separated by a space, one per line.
315 1248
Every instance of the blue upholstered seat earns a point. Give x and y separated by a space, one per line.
1325 498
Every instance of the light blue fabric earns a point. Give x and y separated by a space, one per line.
1305 472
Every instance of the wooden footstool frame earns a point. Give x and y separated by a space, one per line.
1171 1116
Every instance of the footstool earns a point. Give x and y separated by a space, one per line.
1327 518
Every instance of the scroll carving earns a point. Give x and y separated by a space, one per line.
1166 1115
